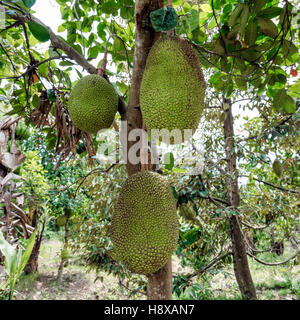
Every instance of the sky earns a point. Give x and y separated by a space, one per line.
48 11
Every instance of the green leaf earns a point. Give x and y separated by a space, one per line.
251 33
235 15
39 32
171 19
290 51
225 65
177 3
289 105
36 101
109 7
26 255
169 160
164 19
29 3
157 18
244 18
241 83
43 70
283 102
51 95
251 54
193 20
186 7
268 27
294 90
93 52
10 254
257 5
66 63
269 13
203 194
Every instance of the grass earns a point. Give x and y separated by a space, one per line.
272 283
76 283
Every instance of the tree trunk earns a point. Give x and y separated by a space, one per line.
240 261
32 264
160 282
3 173
64 260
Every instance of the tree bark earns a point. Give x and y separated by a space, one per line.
160 282
240 261
32 264
3 173
64 260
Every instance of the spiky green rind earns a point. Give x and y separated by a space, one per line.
144 227
93 104
173 87
61 221
277 168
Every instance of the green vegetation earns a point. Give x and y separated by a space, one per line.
219 285
236 178
15 262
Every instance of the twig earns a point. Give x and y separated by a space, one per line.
121 284
255 227
92 172
8 57
274 263
209 265
34 66
272 185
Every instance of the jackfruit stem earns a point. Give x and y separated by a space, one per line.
102 68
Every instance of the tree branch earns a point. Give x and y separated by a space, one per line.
274 263
272 185
209 265
92 172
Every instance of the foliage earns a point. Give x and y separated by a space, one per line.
35 186
15 260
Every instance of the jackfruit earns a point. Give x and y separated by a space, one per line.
277 168
188 213
172 89
61 221
144 226
93 104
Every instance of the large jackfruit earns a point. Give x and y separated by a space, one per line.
277 168
144 226
93 104
173 88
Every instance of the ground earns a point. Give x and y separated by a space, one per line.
272 283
